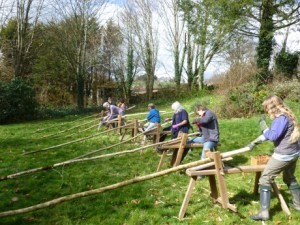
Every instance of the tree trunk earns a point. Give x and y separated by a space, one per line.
264 49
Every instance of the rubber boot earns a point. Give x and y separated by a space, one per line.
295 192
265 196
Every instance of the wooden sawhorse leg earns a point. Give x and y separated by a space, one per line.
187 197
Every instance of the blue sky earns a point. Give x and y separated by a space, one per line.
119 2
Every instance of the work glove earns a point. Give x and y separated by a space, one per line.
262 123
257 141
251 146
175 126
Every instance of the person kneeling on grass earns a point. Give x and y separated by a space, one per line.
284 132
209 128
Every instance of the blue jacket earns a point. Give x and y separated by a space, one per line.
153 116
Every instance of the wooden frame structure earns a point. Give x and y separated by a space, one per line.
178 148
154 132
133 127
216 171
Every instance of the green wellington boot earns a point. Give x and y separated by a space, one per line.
295 192
265 196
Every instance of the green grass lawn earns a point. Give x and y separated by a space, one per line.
155 201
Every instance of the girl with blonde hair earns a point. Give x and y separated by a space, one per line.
284 133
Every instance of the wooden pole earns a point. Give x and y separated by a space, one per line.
71 161
71 128
75 160
59 125
117 185
67 143
108 147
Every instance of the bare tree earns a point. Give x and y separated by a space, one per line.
175 27
128 61
146 39
212 24
6 8
23 16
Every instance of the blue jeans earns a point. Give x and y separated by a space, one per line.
206 145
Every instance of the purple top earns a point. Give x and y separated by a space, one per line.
113 112
280 133
277 129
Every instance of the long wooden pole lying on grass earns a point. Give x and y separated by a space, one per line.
70 142
96 125
107 147
93 126
59 125
80 159
71 128
118 185
156 144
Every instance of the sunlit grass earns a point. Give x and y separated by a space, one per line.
155 201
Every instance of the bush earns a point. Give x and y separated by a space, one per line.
246 100
17 101
286 63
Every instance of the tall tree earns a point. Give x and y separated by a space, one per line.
212 24
74 39
128 61
266 17
146 44
174 26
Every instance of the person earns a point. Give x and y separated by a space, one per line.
180 123
284 133
209 128
113 112
111 101
122 106
153 118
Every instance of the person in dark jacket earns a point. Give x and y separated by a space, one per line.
180 123
208 125
284 133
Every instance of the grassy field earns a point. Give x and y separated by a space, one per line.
155 201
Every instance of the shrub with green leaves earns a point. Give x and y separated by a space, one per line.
246 100
17 101
286 63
